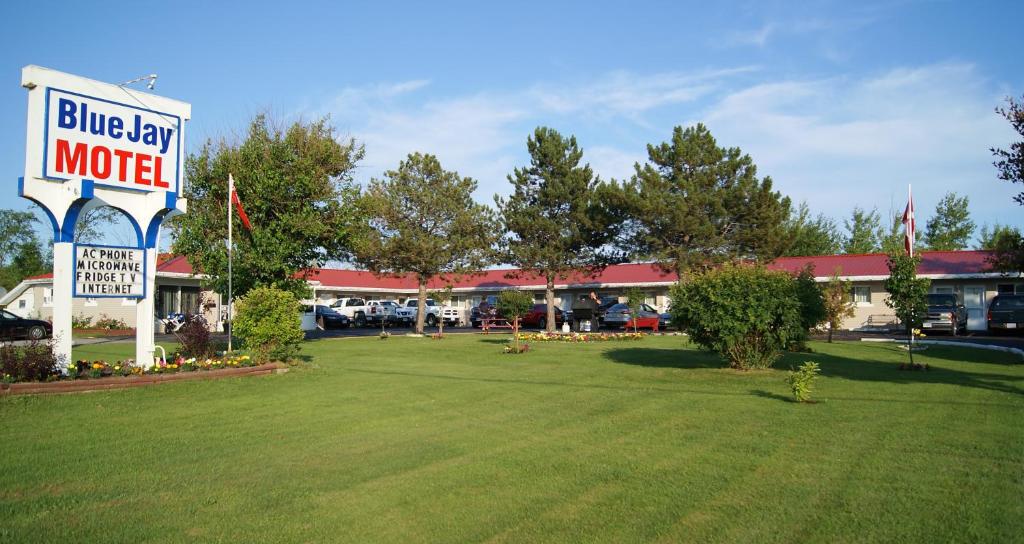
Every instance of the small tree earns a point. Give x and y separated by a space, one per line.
745 313
441 297
513 305
269 323
635 300
907 294
838 302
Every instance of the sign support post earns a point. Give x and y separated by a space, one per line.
63 278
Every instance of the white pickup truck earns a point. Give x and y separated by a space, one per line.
407 313
354 308
378 311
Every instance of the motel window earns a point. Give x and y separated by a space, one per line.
1010 288
861 295
22 304
47 296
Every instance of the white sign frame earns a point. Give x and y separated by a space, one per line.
65 200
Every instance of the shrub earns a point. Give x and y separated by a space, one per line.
269 324
800 380
34 362
745 313
81 321
812 300
110 323
194 336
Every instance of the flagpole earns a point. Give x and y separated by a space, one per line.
231 190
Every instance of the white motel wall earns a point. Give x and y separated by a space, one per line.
178 289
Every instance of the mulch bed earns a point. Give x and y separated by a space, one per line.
103 332
121 382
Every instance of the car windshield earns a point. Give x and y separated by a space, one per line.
1008 303
941 300
620 307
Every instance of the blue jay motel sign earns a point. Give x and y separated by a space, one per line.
90 144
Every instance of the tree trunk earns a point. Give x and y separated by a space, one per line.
549 297
421 306
831 327
515 333
910 344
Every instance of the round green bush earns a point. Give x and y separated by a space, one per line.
268 323
747 314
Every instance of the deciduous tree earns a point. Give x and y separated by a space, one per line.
838 302
811 236
297 189
907 293
421 219
951 227
21 254
862 232
558 219
1010 164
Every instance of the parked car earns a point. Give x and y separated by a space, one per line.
1006 313
620 316
664 320
14 327
352 308
378 311
406 313
329 318
538 317
945 313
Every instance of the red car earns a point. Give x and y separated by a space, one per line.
538 317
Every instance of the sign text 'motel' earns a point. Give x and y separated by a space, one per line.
110 143
109 271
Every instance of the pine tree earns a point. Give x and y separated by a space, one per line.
421 219
951 227
694 204
557 217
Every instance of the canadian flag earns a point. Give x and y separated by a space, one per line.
238 203
908 223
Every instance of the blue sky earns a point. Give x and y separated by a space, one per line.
842 103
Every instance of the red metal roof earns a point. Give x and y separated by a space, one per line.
874 264
47 276
494 279
870 264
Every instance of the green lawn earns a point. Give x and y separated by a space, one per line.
411 440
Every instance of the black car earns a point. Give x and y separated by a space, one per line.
14 327
329 318
945 313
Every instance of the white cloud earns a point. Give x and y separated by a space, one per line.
836 142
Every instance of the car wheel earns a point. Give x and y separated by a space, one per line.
431 320
36 333
953 331
542 324
360 319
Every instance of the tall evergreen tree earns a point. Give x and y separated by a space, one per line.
296 186
951 227
694 204
557 217
421 219
862 232
811 236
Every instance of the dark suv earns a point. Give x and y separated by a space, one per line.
488 308
945 313
1006 313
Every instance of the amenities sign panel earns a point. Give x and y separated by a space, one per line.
105 271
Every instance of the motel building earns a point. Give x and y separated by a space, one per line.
179 289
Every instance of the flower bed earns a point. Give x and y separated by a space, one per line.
134 380
576 337
103 332
98 369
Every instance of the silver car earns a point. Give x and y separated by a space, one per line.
619 314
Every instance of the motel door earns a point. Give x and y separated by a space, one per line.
974 301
